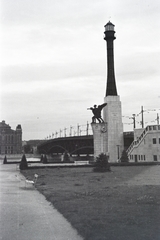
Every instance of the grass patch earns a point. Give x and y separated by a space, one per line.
105 205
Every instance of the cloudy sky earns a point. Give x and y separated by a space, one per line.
54 63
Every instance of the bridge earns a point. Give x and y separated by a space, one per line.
75 145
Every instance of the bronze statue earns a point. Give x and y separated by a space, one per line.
97 112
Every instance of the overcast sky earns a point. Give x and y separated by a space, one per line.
54 62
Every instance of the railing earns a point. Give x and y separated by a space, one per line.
78 130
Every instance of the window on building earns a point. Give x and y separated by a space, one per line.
144 157
8 150
159 140
154 140
154 127
155 157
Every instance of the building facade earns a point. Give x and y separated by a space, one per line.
146 144
10 140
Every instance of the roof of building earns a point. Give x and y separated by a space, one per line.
4 125
7 129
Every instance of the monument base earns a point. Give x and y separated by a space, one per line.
100 138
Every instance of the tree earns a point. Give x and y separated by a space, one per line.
45 160
42 158
124 157
66 157
27 148
23 164
102 164
5 160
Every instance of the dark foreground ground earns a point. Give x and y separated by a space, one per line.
123 204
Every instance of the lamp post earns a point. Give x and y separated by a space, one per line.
78 127
87 128
71 130
118 146
157 119
65 132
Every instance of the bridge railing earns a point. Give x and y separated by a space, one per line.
79 130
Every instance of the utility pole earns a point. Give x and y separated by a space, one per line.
142 111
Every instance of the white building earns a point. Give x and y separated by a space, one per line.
146 144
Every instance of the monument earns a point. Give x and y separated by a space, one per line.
108 134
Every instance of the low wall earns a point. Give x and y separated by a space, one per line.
18 156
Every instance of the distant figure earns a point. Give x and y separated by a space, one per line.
97 112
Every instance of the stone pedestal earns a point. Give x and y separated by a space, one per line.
100 138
